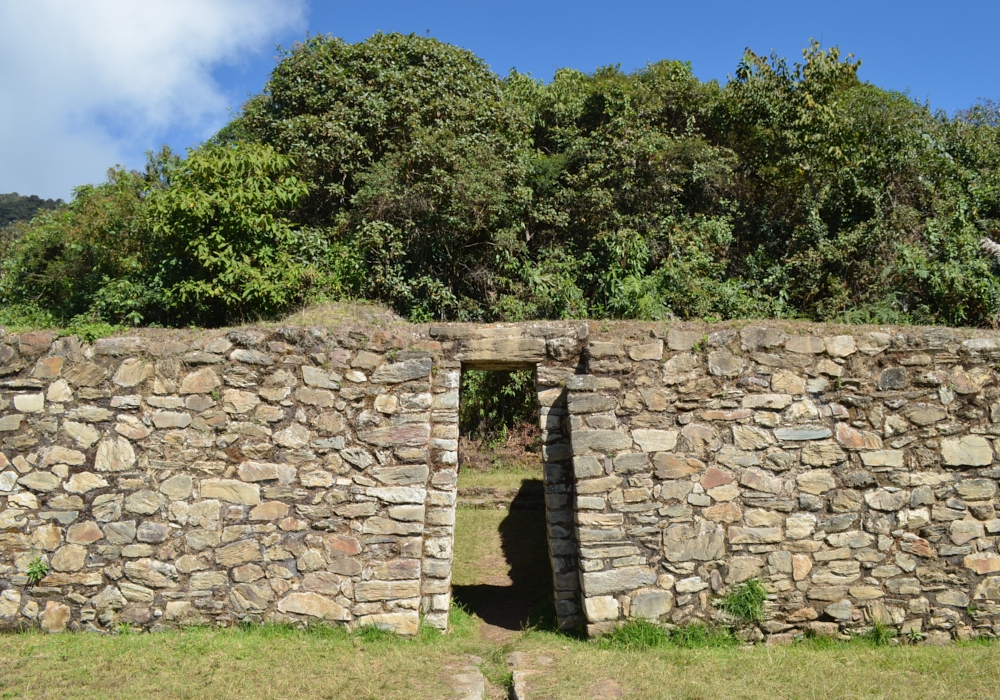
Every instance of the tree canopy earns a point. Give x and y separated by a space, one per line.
403 169
15 207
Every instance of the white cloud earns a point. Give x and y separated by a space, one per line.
85 84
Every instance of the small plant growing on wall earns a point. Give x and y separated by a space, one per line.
38 569
745 602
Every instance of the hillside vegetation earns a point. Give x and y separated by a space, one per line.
15 207
402 169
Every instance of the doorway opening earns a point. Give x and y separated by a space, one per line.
501 570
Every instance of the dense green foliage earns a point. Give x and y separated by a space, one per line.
493 403
15 207
402 169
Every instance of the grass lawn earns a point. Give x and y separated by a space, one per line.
281 663
269 662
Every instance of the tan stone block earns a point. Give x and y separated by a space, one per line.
238 553
86 532
723 513
271 510
114 455
840 345
47 537
231 491
55 617
48 368
805 345
600 608
69 558
313 605
202 381
801 566
133 372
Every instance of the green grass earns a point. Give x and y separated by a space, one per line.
273 661
745 602
641 635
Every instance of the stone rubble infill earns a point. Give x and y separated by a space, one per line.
468 683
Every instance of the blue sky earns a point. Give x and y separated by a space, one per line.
86 85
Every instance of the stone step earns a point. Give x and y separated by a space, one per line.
527 497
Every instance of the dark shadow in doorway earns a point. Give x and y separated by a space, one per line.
528 600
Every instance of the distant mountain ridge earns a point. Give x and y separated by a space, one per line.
15 207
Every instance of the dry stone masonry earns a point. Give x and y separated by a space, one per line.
283 475
302 475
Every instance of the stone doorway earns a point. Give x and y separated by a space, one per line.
501 570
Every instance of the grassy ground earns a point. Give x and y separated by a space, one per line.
271 663
281 663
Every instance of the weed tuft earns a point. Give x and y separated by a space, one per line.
745 602
38 569
880 635
635 635
641 635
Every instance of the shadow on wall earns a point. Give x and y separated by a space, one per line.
527 600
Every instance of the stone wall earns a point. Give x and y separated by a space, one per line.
289 475
854 475
308 474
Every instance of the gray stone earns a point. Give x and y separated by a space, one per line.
805 345
40 481
402 371
649 351
723 363
748 438
251 357
976 489
151 573
774 402
11 423
625 579
842 610
652 606
882 458
177 488
153 532
887 500
968 451
84 435
132 372
312 605
609 441
702 542
650 440
29 403
754 535
925 414
892 379
120 533
802 434
405 434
